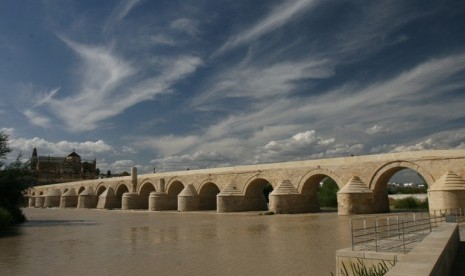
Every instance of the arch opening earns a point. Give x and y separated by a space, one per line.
406 189
173 191
101 190
257 195
144 194
319 192
119 194
81 189
207 196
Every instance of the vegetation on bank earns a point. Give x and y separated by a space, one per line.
410 203
15 178
392 190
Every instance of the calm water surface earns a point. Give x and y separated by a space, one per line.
104 242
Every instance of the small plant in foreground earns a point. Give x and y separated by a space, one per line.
359 268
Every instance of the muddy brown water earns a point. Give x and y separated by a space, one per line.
114 242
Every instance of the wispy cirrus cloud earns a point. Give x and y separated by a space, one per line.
108 85
278 17
257 82
119 13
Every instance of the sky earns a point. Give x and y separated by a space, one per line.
174 84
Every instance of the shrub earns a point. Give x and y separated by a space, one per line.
410 203
6 218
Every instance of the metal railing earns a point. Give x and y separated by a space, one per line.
399 232
392 233
450 215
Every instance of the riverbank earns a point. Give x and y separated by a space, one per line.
114 242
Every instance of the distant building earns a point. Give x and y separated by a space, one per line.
50 169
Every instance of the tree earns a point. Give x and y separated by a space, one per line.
4 149
15 178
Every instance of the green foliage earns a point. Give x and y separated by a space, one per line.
4 149
327 193
359 268
410 203
6 218
14 179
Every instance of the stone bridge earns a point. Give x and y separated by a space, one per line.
362 182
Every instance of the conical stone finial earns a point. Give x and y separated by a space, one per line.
355 185
449 181
229 191
285 188
189 190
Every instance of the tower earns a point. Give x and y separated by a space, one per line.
34 159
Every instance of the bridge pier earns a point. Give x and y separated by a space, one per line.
52 198
107 200
448 192
355 198
229 200
188 199
87 198
69 199
158 201
285 199
31 201
40 201
130 201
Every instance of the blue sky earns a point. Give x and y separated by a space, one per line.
198 84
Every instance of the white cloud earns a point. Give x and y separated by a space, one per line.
87 149
303 145
375 129
37 119
128 150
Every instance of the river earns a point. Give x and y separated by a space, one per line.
114 242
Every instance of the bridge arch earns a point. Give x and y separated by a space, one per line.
207 195
316 174
386 171
81 189
144 192
256 193
174 187
379 181
100 188
121 188
309 184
